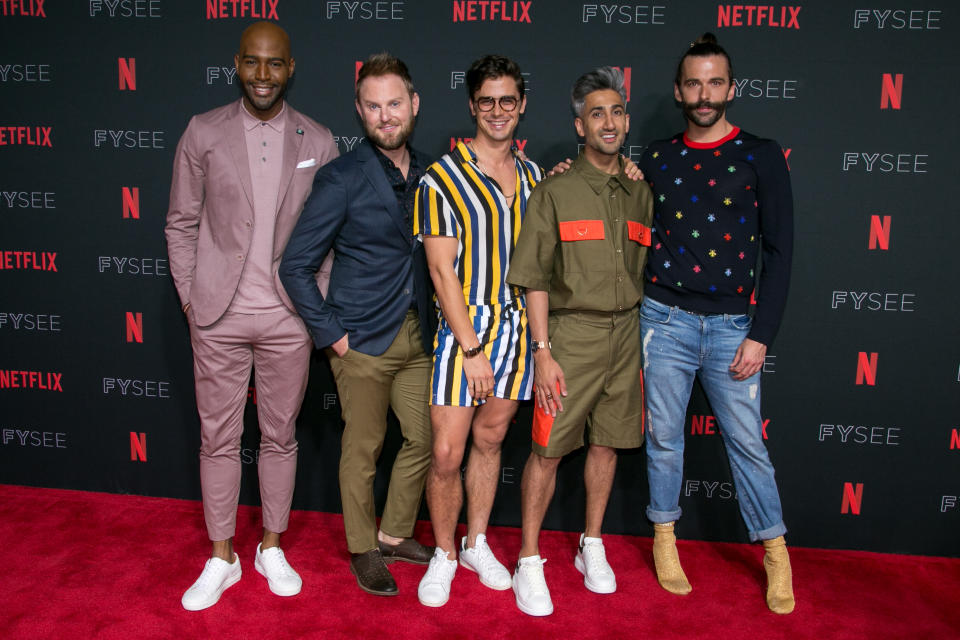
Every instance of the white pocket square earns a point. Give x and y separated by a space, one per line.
307 163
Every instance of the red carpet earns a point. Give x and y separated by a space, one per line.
89 565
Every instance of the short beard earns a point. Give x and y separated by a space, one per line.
690 112
395 142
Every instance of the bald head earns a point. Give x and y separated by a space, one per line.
265 30
263 67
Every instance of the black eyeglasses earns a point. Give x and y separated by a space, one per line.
507 103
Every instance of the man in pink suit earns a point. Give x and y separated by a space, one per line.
240 177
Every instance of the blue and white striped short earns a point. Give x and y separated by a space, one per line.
502 330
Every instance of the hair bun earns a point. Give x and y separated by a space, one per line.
706 38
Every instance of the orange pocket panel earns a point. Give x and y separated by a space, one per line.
542 426
638 232
581 230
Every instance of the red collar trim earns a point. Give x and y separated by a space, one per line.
710 145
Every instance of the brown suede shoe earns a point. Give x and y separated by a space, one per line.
407 551
372 573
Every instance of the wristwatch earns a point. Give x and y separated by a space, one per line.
537 345
471 353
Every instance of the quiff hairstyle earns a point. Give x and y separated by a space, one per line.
384 64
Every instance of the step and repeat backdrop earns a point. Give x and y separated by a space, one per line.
861 387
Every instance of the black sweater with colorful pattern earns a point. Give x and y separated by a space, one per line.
716 206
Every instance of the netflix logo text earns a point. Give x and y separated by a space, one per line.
492 10
261 9
708 426
26 8
26 136
40 380
33 260
754 15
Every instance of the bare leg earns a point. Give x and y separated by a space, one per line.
451 425
489 428
538 484
598 475
223 549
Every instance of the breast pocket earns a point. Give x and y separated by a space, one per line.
581 242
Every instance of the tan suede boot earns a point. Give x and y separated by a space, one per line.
669 572
779 577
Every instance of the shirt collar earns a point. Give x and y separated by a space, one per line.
598 179
251 122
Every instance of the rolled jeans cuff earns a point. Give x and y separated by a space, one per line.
769 533
662 517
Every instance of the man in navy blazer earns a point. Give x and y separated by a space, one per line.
376 319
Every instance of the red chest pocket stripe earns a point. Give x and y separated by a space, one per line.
638 233
581 230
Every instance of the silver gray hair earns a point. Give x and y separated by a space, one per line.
596 80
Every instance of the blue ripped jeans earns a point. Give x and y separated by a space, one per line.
677 346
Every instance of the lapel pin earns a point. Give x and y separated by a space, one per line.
299 131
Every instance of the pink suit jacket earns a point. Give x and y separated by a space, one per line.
210 220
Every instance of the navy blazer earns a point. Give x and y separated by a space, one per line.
378 266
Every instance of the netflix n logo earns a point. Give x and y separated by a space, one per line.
138 447
879 233
128 74
955 439
134 327
130 202
867 368
852 498
891 91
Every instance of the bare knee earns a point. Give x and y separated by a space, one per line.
446 458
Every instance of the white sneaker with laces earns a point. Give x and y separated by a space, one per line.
434 589
216 577
591 561
272 565
480 559
530 587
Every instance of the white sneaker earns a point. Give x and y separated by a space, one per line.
281 577
480 559
533 596
591 561
434 589
216 577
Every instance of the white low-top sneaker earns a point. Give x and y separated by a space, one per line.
530 587
480 559
281 577
434 589
216 577
591 561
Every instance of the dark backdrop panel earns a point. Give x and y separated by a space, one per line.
860 388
